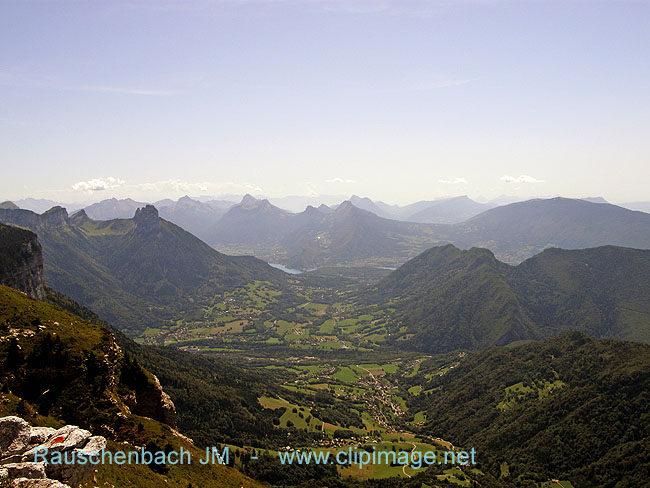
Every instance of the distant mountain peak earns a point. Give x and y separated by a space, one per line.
595 200
148 212
79 217
147 219
55 216
112 208
345 206
9 205
248 200
354 198
324 208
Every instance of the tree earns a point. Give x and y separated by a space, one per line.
15 357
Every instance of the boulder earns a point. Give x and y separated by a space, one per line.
95 444
27 483
14 435
40 435
25 470
64 439
18 442
71 474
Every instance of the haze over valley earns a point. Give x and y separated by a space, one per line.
325 244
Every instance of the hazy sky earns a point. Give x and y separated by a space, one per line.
397 100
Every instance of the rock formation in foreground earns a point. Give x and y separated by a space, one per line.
19 441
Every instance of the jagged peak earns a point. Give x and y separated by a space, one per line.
147 212
248 200
349 208
312 211
147 219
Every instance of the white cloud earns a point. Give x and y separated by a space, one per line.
520 179
339 180
176 187
98 184
455 181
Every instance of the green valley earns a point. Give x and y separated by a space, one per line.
361 359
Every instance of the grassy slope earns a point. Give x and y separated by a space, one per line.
86 398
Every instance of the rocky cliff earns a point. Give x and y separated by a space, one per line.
21 261
58 364
146 220
150 400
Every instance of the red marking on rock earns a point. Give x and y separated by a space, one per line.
58 439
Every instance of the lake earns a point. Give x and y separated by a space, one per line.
285 269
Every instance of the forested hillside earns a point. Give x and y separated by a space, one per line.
572 408
448 298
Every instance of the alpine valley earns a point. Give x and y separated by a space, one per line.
521 332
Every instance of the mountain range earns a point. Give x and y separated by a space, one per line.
448 298
363 232
441 211
349 235
318 236
517 231
139 272
194 216
554 403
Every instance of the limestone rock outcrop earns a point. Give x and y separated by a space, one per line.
153 402
21 261
19 442
146 219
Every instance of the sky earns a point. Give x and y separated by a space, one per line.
396 100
